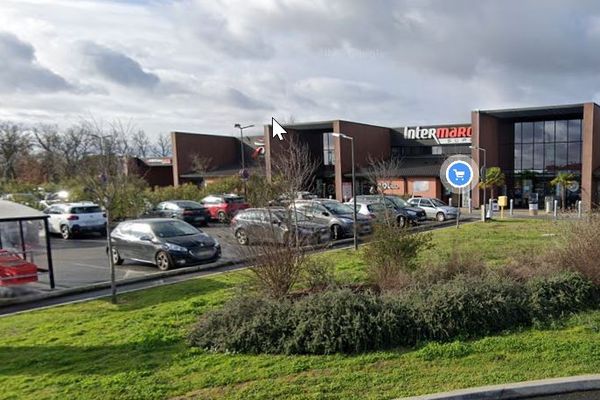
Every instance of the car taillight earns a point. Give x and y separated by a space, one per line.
188 212
72 218
104 215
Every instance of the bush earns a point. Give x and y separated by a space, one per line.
466 307
317 273
581 252
392 255
559 295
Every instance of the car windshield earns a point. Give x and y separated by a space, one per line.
167 229
285 214
234 200
86 210
337 208
438 203
398 201
190 205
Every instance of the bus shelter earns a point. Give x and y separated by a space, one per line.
25 251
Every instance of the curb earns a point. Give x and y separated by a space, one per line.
524 390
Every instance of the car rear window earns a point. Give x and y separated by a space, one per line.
85 210
190 205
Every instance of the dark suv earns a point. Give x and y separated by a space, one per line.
189 211
276 225
405 213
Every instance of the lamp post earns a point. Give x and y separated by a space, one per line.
241 128
351 139
107 203
482 172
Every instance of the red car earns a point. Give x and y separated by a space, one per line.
223 207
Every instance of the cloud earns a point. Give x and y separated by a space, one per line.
21 71
118 67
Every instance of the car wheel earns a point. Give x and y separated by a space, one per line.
440 217
163 261
116 257
222 217
242 237
402 221
65 232
336 232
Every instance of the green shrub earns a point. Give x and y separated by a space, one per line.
559 295
466 307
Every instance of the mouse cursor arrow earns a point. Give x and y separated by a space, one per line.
277 129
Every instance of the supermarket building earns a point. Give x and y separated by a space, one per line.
530 145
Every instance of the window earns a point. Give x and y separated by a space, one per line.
538 132
436 150
328 149
527 132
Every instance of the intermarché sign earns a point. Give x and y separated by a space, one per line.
442 135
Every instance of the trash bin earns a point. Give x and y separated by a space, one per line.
533 209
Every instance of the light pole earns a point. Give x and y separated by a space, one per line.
482 172
351 139
107 203
241 128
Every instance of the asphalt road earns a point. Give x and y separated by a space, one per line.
83 261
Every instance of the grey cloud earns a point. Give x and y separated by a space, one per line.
242 100
21 71
119 68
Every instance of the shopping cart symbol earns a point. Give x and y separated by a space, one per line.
459 174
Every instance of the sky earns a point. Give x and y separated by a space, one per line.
204 65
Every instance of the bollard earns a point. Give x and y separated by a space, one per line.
511 207
470 206
579 209
450 201
555 209
483 212
491 209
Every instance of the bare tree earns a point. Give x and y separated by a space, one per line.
381 174
75 146
141 144
163 146
14 141
200 164
50 141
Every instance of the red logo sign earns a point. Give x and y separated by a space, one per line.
442 135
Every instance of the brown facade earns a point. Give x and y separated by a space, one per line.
590 155
218 151
154 174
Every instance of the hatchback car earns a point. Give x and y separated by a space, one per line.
70 219
406 214
189 211
164 242
277 225
337 216
223 207
434 208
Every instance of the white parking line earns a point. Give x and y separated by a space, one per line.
90 266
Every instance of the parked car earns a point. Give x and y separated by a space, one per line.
223 207
71 219
189 211
277 225
375 211
405 213
61 196
284 199
434 208
337 216
164 242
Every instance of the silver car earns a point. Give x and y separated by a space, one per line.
338 216
434 208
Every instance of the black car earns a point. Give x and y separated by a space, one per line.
189 211
164 242
405 213
277 225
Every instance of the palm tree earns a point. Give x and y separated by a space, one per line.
494 177
563 180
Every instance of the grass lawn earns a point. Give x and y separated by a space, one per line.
137 350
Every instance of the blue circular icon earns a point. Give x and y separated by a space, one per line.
459 174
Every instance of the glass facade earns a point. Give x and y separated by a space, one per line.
328 149
542 149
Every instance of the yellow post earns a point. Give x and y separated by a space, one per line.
502 202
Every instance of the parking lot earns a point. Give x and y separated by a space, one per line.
83 261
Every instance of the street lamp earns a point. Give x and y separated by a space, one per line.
241 128
482 171
351 139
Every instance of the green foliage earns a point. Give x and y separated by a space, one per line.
563 180
392 254
317 273
187 191
560 295
494 177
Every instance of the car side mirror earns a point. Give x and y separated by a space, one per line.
325 214
146 238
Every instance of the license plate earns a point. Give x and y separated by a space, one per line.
203 252
199 219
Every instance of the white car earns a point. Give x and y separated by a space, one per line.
70 219
434 208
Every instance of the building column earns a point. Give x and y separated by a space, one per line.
590 154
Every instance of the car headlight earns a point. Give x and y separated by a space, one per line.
174 247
